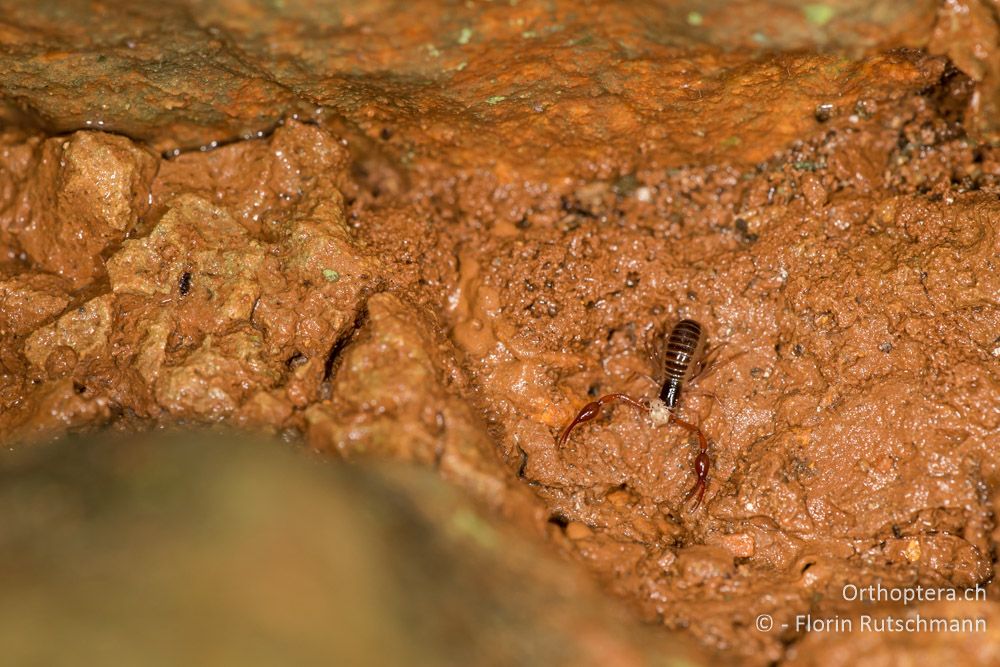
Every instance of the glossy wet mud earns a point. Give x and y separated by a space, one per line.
493 222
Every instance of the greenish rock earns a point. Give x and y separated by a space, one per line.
207 548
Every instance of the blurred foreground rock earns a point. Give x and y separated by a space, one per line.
204 550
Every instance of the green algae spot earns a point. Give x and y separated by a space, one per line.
586 40
469 524
496 99
732 141
465 36
331 275
695 18
818 14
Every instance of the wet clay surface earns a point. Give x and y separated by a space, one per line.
854 404
397 281
614 85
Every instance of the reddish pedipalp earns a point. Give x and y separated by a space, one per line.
685 349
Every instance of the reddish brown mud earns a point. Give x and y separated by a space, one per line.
485 220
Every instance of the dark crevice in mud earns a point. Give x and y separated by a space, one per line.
15 117
265 133
184 283
375 174
295 360
573 207
213 145
951 94
522 462
333 358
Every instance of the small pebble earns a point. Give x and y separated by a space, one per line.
913 551
619 498
813 190
62 361
644 527
740 545
578 531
